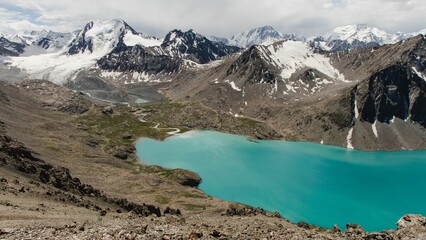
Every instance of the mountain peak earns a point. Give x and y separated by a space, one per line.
101 36
359 32
194 46
267 28
362 26
260 35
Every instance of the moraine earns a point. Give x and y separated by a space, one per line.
322 185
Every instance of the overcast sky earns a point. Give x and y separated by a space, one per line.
215 17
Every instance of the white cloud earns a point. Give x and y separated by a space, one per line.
225 17
15 22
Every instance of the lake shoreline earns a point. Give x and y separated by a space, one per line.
308 145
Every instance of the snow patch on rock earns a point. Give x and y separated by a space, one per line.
349 139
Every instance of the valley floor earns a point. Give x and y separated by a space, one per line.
67 171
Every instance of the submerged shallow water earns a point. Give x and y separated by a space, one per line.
319 184
141 100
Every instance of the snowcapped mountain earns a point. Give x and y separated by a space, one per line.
100 37
114 46
52 40
362 33
8 48
262 35
193 46
31 43
358 36
94 41
290 67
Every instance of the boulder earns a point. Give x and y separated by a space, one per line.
411 220
336 228
123 152
172 211
107 110
126 136
185 177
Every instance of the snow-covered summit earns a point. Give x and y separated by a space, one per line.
260 35
193 46
101 37
361 33
357 37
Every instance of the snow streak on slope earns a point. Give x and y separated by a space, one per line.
291 56
349 139
421 75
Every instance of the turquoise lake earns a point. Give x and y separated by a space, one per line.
318 184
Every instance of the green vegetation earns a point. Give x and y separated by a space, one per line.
167 172
195 207
186 116
114 127
193 195
162 199
54 149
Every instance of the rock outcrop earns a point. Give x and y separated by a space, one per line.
137 59
185 177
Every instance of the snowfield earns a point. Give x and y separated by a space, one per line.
291 56
131 39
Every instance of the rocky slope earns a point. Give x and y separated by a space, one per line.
137 59
362 99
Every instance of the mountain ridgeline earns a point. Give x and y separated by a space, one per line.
356 87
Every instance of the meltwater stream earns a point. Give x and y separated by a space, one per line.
318 184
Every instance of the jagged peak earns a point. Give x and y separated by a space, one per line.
176 34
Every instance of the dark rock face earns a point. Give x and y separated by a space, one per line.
44 43
185 177
8 48
80 43
137 59
339 45
194 47
142 210
172 211
252 66
395 91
